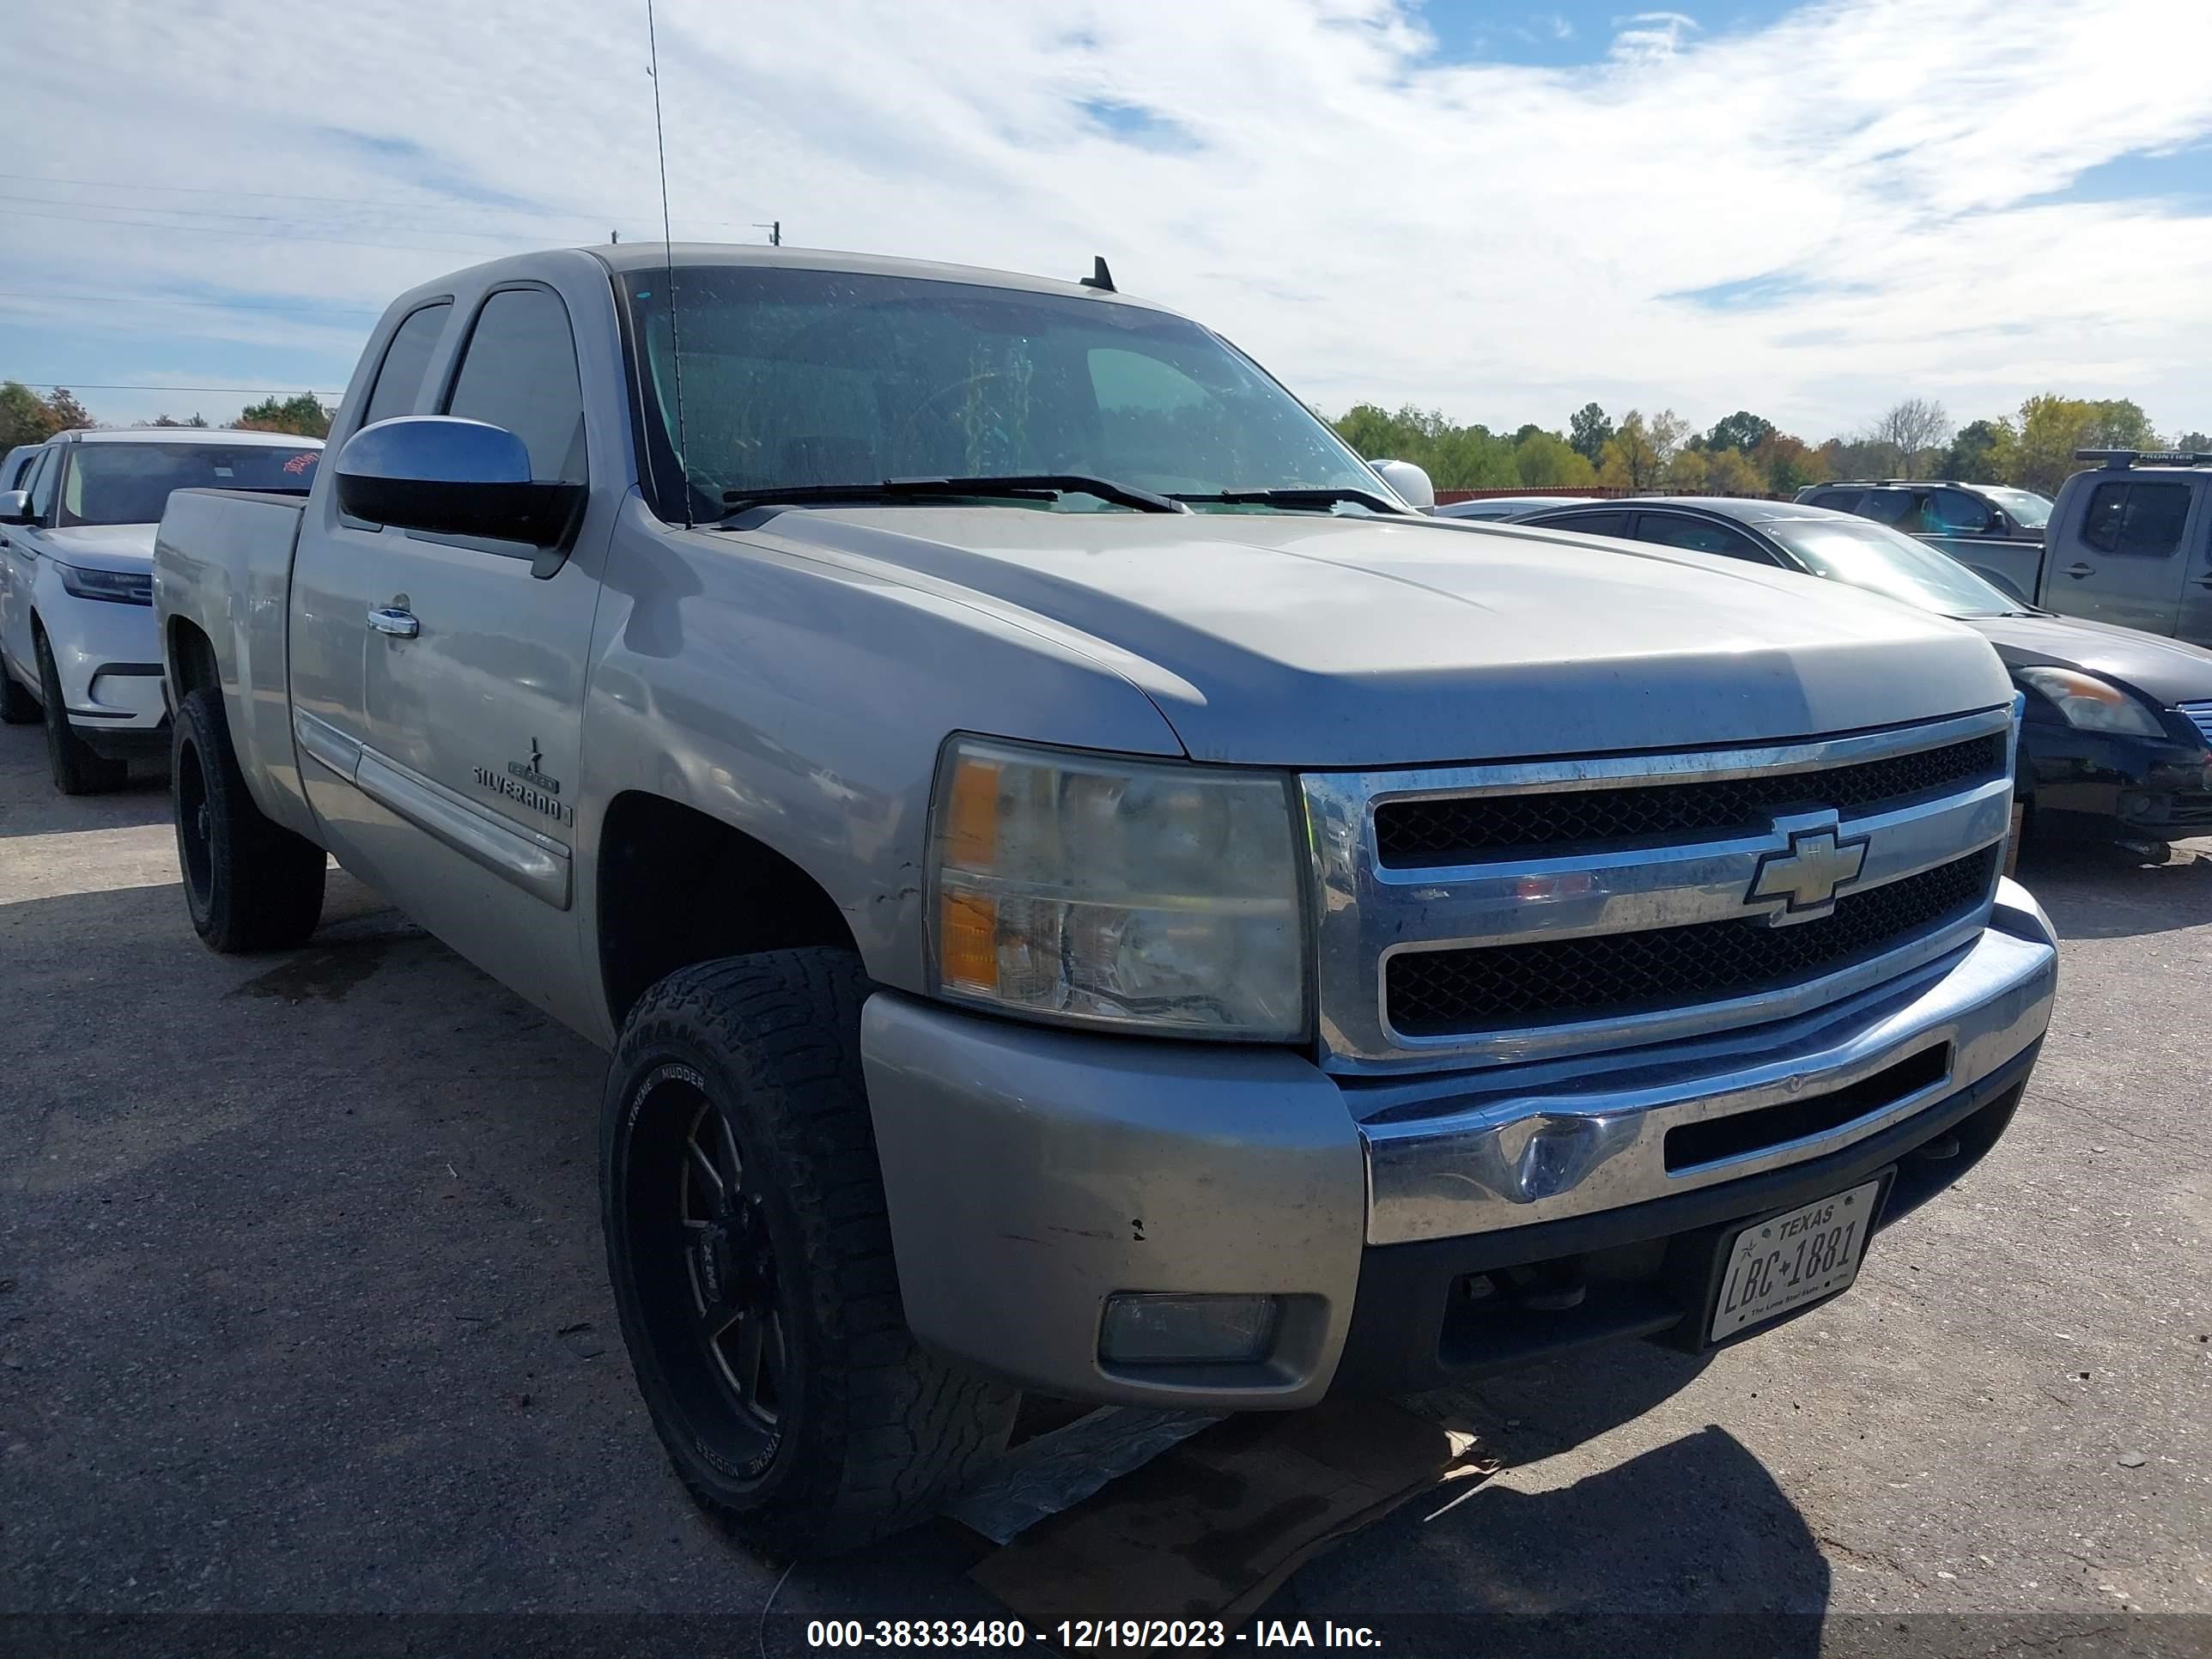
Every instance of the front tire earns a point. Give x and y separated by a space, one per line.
77 770
251 884
751 1253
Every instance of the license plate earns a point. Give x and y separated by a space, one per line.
1787 1261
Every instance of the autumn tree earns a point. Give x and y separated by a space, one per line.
2053 428
1638 455
1686 473
2196 443
1787 462
25 417
1589 432
169 420
1544 460
303 416
1731 473
1985 452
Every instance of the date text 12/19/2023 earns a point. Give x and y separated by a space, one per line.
1079 1634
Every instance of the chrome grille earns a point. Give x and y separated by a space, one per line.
1485 915
1434 992
2200 716
1411 833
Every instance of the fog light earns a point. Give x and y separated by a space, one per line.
1186 1330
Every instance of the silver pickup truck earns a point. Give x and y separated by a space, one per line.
1083 890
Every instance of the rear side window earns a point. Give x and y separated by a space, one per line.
1590 523
1838 500
519 373
1954 513
398 389
2135 520
1899 509
1697 536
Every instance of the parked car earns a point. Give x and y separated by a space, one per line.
1083 890
2117 740
77 643
2128 542
1989 527
1504 506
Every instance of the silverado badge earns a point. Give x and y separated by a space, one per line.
523 782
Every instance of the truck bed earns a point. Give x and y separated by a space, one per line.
223 566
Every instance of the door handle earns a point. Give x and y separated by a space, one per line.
390 619
2205 581
2078 571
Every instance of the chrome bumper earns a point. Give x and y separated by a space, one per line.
1512 1156
1032 1173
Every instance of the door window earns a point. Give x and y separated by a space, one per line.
519 373
1954 513
1589 524
1697 536
1839 500
398 389
2135 520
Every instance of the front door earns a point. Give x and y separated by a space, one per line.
474 681
2124 561
2196 578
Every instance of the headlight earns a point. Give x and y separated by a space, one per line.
1117 892
2090 704
121 586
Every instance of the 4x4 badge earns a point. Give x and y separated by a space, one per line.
1808 876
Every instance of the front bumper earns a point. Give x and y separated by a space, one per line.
109 658
2101 785
1031 1174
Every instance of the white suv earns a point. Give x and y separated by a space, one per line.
78 642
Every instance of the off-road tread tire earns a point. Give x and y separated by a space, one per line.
265 883
885 1431
76 770
17 706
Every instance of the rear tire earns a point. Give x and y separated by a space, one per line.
17 706
77 770
251 884
751 1253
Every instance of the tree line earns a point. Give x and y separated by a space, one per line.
28 418
1746 454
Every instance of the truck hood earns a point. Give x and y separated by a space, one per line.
124 547
2165 671
1307 640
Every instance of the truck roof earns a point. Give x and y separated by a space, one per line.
185 434
627 256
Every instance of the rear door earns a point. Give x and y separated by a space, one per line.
2121 559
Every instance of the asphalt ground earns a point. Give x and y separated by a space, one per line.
303 1313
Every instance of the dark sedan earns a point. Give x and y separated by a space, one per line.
2118 744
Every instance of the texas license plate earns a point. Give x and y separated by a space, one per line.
1787 1261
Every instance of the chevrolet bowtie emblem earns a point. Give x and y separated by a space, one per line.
1809 875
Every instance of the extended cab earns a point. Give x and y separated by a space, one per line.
1084 891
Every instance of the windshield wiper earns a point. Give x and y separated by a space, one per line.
1324 496
1017 486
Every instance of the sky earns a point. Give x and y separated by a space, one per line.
1811 210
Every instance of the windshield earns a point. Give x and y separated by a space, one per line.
130 484
808 377
2030 510
1886 560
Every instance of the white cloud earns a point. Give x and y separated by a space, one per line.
1371 221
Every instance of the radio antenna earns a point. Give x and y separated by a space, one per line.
668 244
